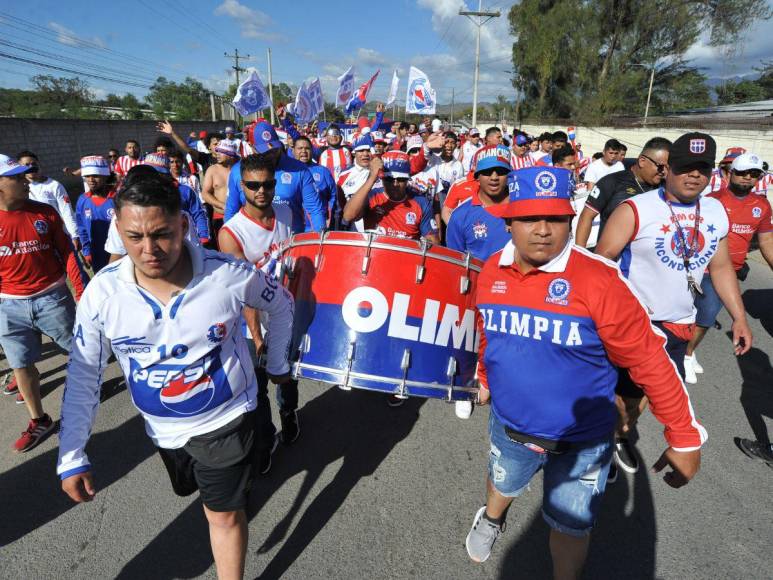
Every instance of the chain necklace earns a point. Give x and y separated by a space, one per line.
681 241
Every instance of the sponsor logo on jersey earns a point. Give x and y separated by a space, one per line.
286 177
131 345
757 212
499 287
558 291
479 230
175 390
216 333
595 192
410 218
41 227
697 146
87 212
110 213
5 251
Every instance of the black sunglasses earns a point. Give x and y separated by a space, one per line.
753 173
256 185
501 171
397 179
661 167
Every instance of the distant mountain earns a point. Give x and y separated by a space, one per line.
717 81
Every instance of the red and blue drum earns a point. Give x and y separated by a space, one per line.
382 313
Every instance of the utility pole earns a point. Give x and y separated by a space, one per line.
480 14
452 104
270 86
236 56
649 95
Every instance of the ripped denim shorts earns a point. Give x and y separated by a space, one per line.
573 481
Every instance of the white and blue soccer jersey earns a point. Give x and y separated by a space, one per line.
186 362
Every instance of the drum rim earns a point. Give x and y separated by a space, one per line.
363 243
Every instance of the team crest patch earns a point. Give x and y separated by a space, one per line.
87 213
558 291
410 218
697 146
266 135
287 178
545 182
41 227
111 213
216 333
317 176
757 212
480 230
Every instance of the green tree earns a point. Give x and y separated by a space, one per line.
188 100
731 92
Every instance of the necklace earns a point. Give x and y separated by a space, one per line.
681 241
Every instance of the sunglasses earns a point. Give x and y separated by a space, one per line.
397 179
661 167
500 171
753 173
256 185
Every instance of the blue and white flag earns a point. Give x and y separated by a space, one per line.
393 89
420 97
251 96
302 109
345 87
316 98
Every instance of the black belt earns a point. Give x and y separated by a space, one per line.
556 447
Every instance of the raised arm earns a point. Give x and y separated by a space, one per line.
356 206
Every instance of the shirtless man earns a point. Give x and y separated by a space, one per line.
215 191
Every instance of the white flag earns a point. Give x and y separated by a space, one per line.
420 97
302 109
345 87
315 95
393 89
251 96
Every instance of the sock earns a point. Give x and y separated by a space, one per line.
496 521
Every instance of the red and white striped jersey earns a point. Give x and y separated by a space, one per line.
336 160
517 162
125 163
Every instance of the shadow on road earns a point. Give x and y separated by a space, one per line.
357 427
757 391
758 305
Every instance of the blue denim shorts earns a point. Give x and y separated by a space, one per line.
24 320
573 482
707 304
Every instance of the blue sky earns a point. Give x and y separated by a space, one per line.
179 38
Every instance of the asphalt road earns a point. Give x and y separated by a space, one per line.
372 492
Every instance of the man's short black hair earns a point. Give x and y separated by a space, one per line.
257 162
560 136
146 187
614 145
137 143
562 153
210 136
492 130
176 154
302 138
623 147
163 141
546 136
451 135
657 144
26 153
109 151
597 155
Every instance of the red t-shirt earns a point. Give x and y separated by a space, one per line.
410 218
747 215
461 191
35 251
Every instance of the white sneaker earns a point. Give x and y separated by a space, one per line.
696 366
689 371
463 409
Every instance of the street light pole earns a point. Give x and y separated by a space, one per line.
479 23
649 94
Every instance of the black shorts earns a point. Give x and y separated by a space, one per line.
219 464
676 349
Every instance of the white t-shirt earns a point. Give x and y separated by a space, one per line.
54 194
599 169
351 180
186 362
468 152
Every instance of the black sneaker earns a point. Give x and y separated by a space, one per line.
394 401
755 450
612 477
291 427
265 457
625 456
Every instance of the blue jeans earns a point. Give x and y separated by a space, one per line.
708 304
573 482
24 320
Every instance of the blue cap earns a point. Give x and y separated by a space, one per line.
158 161
492 156
521 139
536 191
363 142
396 164
265 137
9 166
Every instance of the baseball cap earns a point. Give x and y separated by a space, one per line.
396 164
362 143
747 161
265 137
474 131
414 142
202 134
94 165
692 150
9 166
732 153
423 129
492 156
227 147
159 161
521 139
378 137
537 191
229 129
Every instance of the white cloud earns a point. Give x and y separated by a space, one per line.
252 23
370 57
68 37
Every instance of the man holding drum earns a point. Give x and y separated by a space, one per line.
564 318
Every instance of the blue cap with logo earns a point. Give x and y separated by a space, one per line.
9 166
94 165
396 164
265 137
537 191
491 157
362 143
158 161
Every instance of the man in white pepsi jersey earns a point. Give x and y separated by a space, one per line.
171 314
255 234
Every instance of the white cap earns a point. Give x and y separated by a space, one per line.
10 167
746 161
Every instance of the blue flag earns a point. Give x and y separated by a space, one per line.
251 96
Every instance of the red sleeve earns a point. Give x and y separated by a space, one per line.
418 162
766 222
63 246
453 198
481 370
633 343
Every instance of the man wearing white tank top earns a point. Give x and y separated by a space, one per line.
255 234
665 240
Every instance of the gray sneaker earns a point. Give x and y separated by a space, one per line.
482 536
